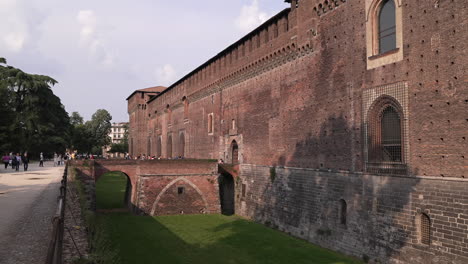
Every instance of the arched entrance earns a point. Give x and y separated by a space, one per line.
182 145
235 152
226 194
113 191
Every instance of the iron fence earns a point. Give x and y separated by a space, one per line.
54 252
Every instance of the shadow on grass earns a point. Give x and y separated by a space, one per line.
208 239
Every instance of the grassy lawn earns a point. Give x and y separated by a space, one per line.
208 239
110 190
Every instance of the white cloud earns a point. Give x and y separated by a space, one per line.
250 17
14 30
92 39
165 75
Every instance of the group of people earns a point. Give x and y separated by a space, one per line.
148 157
15 161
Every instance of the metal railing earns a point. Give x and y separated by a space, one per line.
54 252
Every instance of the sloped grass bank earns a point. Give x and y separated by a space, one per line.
208 239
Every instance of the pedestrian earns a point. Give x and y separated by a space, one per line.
18 161
25 160
6 160
41 160
60 159
55 159
12 160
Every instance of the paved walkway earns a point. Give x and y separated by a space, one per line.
28 201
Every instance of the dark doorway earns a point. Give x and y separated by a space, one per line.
226 194
235 152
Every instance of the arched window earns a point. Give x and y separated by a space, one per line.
210 123
385 137
425 229
169 146
343 211
384 32
387 26
186 107
235 152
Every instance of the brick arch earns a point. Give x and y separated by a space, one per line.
130 173
173 182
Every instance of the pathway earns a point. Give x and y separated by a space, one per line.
28 201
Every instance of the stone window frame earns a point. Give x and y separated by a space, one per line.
210 124
374 59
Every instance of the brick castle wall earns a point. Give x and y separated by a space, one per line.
295 93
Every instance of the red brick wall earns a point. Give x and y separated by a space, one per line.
298 102
155 182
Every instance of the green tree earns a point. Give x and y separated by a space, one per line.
35 119
99 127
76 119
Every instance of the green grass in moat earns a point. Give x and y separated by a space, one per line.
110 190
207 239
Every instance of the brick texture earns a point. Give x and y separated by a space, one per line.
295 89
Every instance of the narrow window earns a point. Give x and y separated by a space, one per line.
235 152
233 124
387 27
244 187
180 190
186 107
343 211
210 123
425 229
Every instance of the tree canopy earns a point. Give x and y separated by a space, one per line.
33 119
91 136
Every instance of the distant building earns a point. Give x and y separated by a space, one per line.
116 135
117 132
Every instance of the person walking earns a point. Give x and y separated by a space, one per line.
41 160
25 160
6 160
55 159
12 160
18 161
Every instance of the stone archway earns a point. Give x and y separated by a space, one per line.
226 193
114 191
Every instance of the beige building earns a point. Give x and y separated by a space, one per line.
117 132
116 135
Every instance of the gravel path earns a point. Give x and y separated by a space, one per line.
28 201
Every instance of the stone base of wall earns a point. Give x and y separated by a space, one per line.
381 217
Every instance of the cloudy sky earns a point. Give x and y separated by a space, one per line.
100 51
